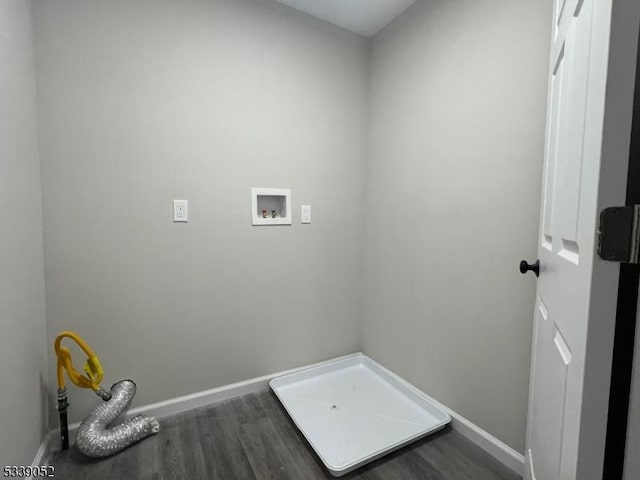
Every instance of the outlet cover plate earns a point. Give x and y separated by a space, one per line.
180 211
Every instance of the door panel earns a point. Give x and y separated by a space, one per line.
558 427
552 149
553 430
550 390
572 100
589 111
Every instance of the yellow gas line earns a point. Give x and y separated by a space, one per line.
91 380
92 366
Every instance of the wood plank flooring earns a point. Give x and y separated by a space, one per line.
252 438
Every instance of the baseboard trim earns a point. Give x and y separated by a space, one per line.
490 444
483 439
42 455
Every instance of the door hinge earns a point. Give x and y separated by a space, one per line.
619 234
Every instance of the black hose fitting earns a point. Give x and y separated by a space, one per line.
103 394
63 404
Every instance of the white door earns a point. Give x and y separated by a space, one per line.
589 109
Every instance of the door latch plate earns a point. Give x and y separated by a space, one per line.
619 234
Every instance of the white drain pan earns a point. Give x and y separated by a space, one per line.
353 411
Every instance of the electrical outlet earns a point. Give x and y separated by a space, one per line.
180 211
305 211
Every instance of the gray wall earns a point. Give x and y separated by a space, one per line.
147 101
22 315
143 102
457 130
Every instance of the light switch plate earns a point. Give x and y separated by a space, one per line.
180 211
305 212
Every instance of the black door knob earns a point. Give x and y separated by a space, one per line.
526 267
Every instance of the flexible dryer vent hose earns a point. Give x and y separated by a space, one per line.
96 439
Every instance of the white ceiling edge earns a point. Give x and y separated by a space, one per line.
365 17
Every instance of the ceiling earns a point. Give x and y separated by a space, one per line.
365 17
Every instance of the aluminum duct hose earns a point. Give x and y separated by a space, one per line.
96 439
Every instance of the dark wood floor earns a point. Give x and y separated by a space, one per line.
252 437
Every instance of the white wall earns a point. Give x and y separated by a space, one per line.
147 101
22 314
457 132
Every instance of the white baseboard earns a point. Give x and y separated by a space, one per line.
490 444
42 455
494 447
